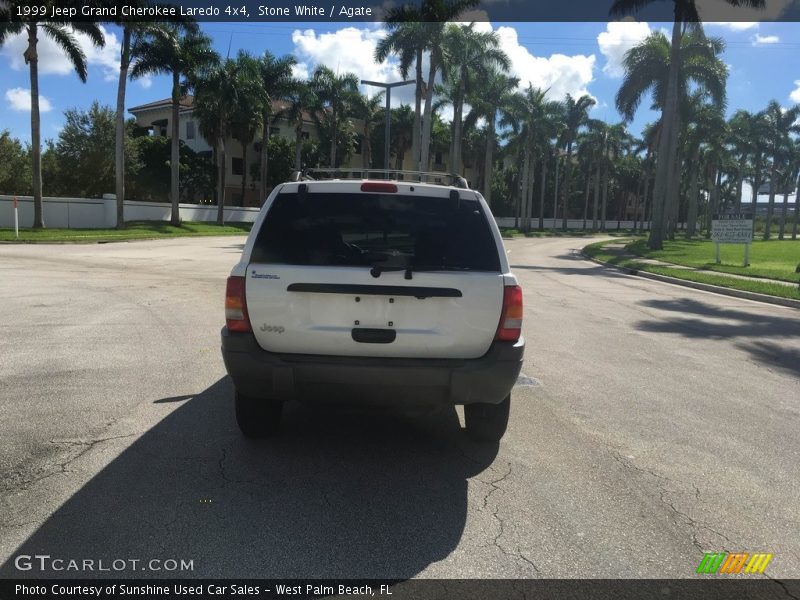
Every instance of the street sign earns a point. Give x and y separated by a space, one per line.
735 228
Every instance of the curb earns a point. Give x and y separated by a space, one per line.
706 287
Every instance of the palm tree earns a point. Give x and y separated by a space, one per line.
335 93
276 81
576 115
535 121
366 109
182 53
491 101
401 142
215 97
63 34
466 54
405 39
740 128
426 25
706 126
780 123
685 15
302 101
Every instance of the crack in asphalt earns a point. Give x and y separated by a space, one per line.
664 491
87 445
518 554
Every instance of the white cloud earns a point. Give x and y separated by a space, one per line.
20 99
763 40
53 61
795 95
146 82
560 73
735 25
347 50
616 40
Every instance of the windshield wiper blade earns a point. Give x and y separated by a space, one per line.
376 270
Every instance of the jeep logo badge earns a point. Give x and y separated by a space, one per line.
272 328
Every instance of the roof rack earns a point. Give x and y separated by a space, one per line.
434 177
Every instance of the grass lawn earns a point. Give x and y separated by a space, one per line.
511 232
775 259
134 230
599 252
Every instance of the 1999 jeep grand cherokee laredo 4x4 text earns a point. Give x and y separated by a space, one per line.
382 292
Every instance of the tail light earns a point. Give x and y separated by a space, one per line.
236 318
510 327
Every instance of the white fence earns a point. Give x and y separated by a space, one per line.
611 225
99 213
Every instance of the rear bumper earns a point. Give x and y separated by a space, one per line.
405 381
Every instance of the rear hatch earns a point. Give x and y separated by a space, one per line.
408 271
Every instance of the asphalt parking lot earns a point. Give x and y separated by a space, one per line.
653 423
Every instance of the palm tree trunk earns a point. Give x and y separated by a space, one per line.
605 197
567 184
586 197
175 159
427 123
674 196
523 193
739 185
555 192
244 170
771 206
298 147
667 143
488 165
366 148
691 217
416 132
596 196
32 56
542 190
264 168
531 186
458 110
333 136
784 211
119 142
221 172
796 210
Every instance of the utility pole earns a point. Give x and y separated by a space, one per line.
388 87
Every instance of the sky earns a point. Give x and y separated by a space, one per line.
573 58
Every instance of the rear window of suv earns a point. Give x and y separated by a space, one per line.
388 230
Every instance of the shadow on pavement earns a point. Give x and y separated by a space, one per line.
332 496
695 319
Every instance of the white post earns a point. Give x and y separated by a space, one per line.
16 217
717 246
746 254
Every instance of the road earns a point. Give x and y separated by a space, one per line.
654 423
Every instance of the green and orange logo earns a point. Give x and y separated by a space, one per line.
733 562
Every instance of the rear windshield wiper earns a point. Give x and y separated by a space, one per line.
410 269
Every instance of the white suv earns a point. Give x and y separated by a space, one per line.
380 292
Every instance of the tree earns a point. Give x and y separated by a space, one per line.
493 100
425 25
367 109
685 13
276 82
466 55
182 52
15 167
214 101
85 165
405 39
302 101
62 32
335 94
247 107
780 123
576 115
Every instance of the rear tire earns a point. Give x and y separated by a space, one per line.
486 422
258 417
